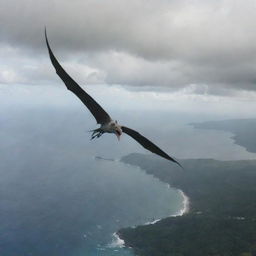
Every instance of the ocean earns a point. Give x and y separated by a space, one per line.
75 208
58 198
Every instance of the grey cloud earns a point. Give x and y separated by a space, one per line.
140 43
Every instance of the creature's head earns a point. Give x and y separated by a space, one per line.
117 130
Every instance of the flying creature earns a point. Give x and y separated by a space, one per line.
107 124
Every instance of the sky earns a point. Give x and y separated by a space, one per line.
153 65
181 54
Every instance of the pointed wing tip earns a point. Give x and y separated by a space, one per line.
147 144
176 162
180 165
46 38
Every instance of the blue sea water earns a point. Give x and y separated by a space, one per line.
58 199
74 208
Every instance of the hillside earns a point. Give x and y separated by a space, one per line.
222 216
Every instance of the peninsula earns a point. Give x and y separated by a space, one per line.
244 130
222 216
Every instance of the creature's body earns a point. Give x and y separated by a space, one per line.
101 116
110 127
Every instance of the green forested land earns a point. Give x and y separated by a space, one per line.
222 217
193 236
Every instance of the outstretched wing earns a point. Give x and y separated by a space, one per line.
98 112
148 144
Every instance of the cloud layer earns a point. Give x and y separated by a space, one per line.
173 44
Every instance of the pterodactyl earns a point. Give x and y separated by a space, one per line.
107 124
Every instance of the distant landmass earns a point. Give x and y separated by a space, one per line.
244 130
222 216
105 159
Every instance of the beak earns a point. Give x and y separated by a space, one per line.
118 136
118 133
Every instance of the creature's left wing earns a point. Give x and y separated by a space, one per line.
98 112
148 144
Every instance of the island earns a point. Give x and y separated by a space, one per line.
244 130
222 215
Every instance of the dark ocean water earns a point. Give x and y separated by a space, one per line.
56 199
74 209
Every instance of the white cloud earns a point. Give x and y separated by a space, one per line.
139 43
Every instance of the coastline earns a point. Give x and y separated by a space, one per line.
238 129
118 242
216 197
186 204
182 211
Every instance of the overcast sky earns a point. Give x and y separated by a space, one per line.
154 65
207 47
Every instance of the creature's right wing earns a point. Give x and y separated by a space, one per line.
98 112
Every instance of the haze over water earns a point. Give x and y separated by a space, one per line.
57 199
155 66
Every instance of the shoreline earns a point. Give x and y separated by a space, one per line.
211 215
118 242
182 211
186 204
